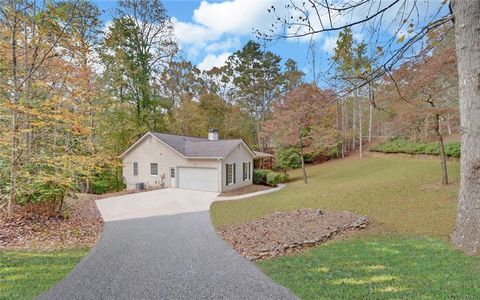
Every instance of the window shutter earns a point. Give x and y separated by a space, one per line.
249 170
226 174
234 174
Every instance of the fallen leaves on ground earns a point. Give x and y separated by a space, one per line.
288 232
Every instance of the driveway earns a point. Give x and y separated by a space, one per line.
162 245
155 203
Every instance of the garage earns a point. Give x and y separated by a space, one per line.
204 179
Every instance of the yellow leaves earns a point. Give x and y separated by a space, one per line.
401 39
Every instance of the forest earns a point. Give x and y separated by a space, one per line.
74 94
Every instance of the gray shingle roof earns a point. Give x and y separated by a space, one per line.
198 147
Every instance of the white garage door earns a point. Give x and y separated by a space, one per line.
204 179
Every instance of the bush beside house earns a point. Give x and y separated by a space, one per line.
268 177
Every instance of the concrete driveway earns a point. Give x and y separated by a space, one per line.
162 245
155 203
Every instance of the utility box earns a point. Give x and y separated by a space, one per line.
139 186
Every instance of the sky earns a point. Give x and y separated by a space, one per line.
209 31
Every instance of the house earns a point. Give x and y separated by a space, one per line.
159 159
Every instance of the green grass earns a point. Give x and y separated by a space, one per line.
25 274
406 253
400 195
379 268
452 149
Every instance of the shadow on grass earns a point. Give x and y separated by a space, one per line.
25 274
379 268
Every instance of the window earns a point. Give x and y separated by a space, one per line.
245 171
229 174
153 169
172 172
135 168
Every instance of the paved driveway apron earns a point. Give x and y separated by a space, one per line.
162 245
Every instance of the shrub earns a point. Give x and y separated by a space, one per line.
260 176
287 158
273 178
107 181
452 149
403 146
283 177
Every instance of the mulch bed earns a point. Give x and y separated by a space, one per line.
284 233
35 227
246 190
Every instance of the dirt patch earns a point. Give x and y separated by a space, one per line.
283 233
246 190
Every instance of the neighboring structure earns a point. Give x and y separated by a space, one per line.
159 159
263 160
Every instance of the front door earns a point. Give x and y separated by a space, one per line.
172 177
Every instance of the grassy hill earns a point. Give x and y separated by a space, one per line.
400 195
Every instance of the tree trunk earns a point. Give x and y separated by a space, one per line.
344 142
305 180
14 159
354 124
260 146
443 159
370 115
466 235
360 133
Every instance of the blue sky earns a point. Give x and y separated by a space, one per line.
206 50
209 31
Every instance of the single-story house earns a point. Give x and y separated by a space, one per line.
167 160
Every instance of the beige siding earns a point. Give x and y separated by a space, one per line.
151 150
237 156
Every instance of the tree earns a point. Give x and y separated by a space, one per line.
188 119
292 76
427 95
351 65
466 235
136 48
178 80
298 119
257 81
50 81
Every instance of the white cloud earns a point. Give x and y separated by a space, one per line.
224 45
191 33
217 27
329 44
237 16
212 60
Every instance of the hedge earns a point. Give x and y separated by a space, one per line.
398 145
268 177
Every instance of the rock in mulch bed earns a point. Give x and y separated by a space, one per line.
283 233
31 228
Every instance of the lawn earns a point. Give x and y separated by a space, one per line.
404 254
400 195
379 268
25 274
